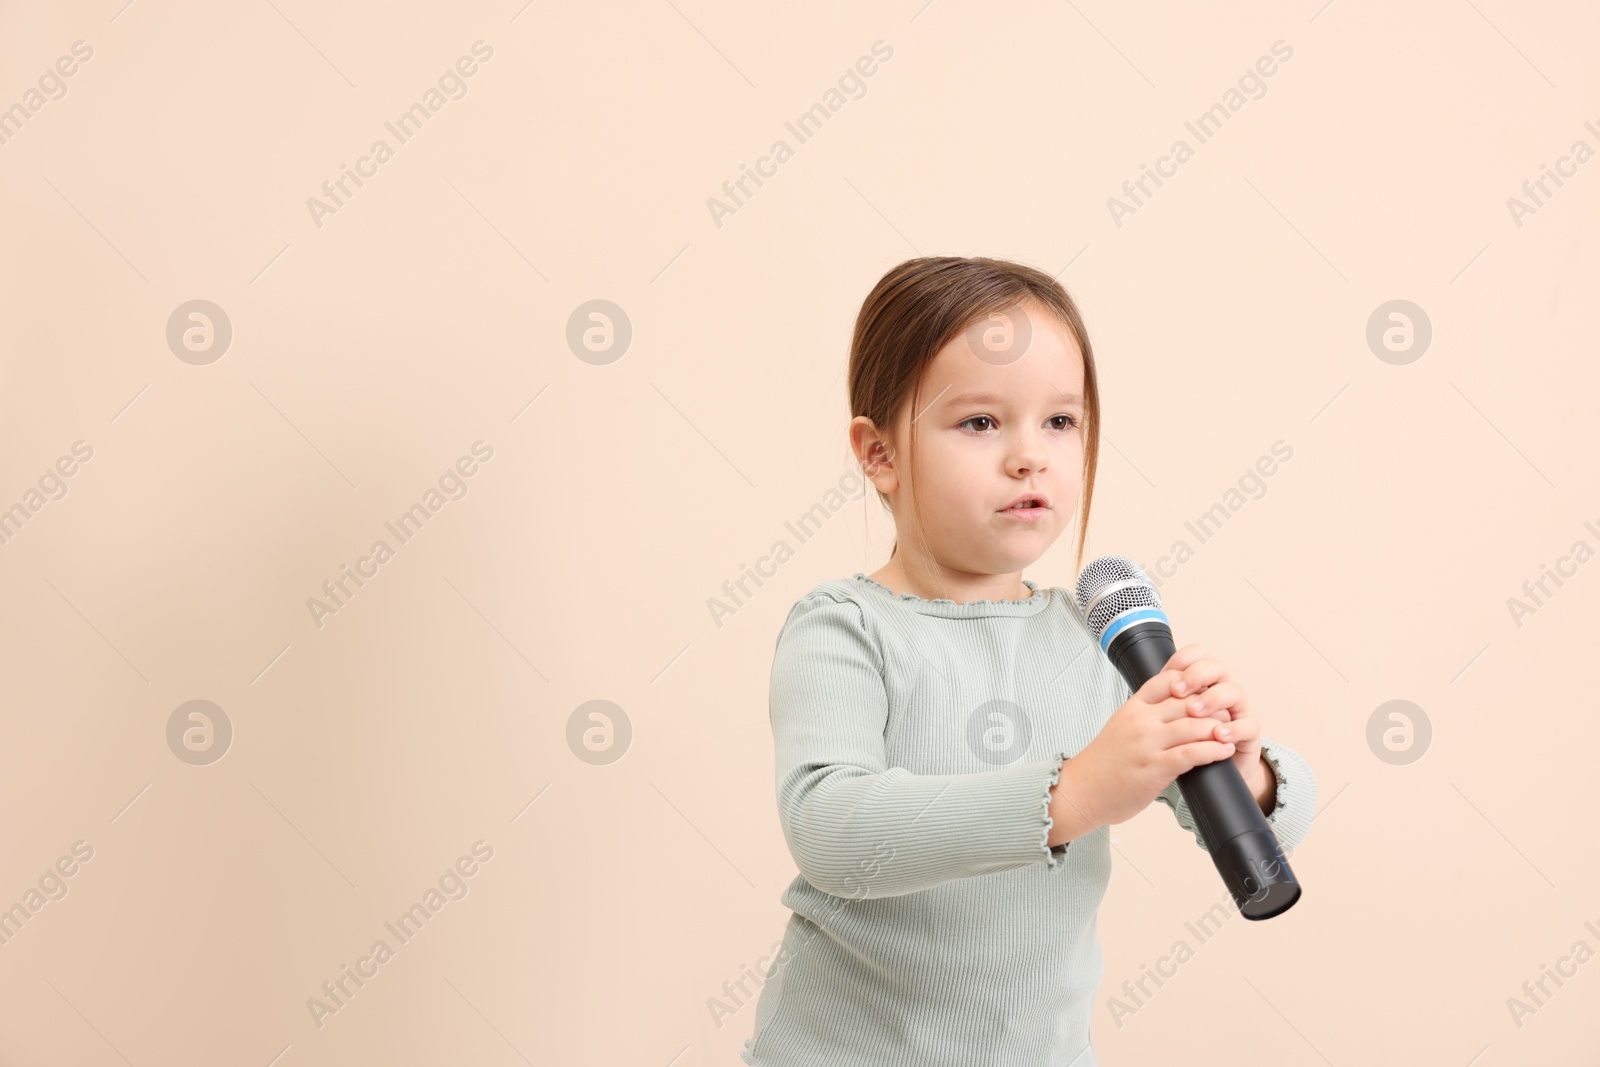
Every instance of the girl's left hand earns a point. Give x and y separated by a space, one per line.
1204 679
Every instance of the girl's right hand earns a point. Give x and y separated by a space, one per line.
1145 744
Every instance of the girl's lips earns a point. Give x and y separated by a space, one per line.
1026 514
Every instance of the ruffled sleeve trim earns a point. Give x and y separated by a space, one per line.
1054 855
1282 800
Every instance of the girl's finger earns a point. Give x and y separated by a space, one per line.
1184 656
1158 688
1220 697
1203 672
1239 731
1188 732
1189 756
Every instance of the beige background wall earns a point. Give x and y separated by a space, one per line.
372 346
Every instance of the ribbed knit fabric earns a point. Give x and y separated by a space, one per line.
916 742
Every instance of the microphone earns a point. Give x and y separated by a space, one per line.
1124 613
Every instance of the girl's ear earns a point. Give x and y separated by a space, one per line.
879 467
875 455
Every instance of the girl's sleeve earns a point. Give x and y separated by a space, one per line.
858 827
1292 812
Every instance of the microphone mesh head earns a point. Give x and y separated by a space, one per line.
1110 586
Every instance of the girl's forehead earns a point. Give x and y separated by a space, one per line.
1020 357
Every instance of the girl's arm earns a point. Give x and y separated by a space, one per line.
858 827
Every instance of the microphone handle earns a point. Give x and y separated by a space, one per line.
1243 847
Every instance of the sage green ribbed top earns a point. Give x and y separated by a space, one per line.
915 745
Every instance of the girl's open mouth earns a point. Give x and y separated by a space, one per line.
1029 507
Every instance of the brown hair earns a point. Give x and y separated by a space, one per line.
922 305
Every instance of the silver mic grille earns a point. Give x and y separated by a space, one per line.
1110 586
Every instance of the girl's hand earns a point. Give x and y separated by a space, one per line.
1202 682
1143 746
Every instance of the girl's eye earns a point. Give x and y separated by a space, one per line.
989 419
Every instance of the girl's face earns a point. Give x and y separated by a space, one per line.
1001 413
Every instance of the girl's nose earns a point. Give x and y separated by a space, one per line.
1027 457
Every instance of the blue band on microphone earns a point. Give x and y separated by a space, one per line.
1122 622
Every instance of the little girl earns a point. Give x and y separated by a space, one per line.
951 744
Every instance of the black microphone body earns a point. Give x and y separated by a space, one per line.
1125 614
